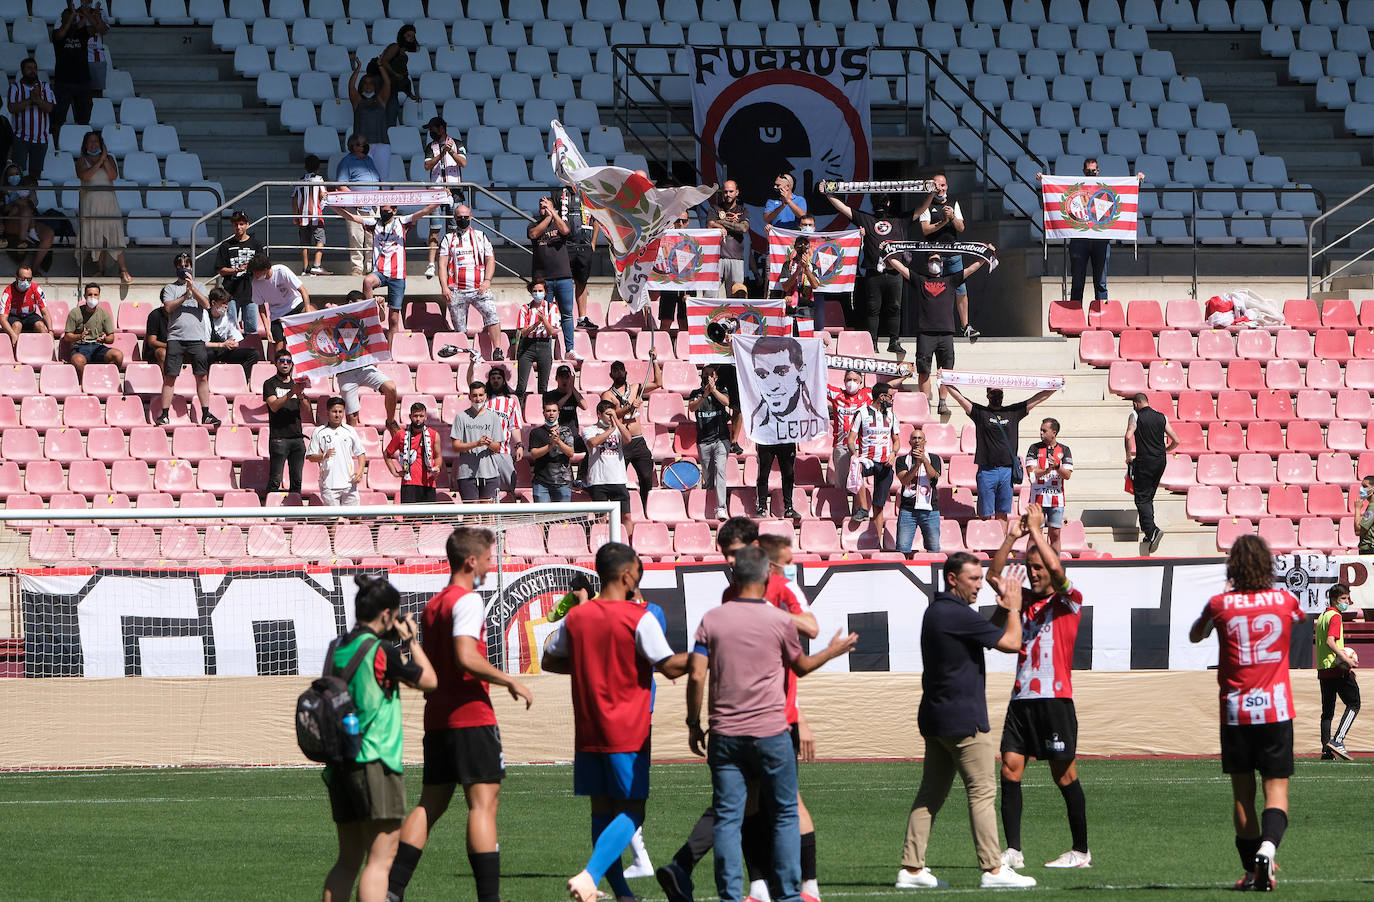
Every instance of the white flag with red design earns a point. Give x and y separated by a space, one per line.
738 317
1090 207
336 339
834 256
688 260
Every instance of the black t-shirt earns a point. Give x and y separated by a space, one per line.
237 253
906 462
70 66
567 410
953 675
994 429
157 323
551 256
935 299
946 232
713 420
877 229
285 422
554 468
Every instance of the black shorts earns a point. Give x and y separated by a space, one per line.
277 333
941 347
672 305
580 262
882 480
1265 747
1043 728
464 755
418 494
192 352
612 493
94 352
26 320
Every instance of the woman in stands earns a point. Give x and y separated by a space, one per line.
101 223
371 96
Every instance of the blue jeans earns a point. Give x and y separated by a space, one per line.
546 493
994 491
736 761
907 524
250 316
565 294
395 291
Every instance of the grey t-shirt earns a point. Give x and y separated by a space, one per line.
478 463
189 321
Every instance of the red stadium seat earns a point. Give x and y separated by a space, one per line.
1303 437
216 475
125 412
682 376
1327 501
1178 475
180 543
1353 404
652 539
410 347
1345 533
1291 344
1344 435
1359 373
963 472
1339 313
1190 438
1332 344
1184 314
1109 315
149 443
268 541
1362 344
1205 503
667 409
1235 406
612 346
1336 468
1097 347
1165 375
565 540
59 380
228 379
1216 344
1255 469
1287 501
21 444
1230 530
1138 345
92 543
1283 375
174 477
50 545
143 379
1271 405
1301 313
984 535
1065 317
693 539
1145 315
1226 438
666 506
1246 501
1318 534
820 537
136 543
1195 406
1279 534
1242 375
1216 469
1177 344
191 443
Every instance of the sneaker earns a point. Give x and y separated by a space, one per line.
161 420
721 514
942 409
318 271
1245 883
1327 756
1338 749
209 419
429 271
572 355
1006 878
1072 859
498 354
1012 858
761 511
972 334
790 513
860 515
676 883
1156 539
586 323
1264 869
807 897
895 347
637 870
922 879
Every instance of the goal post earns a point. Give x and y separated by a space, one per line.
158 637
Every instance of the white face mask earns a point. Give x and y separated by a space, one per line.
536 296
852 386
91 302
22 284
789 572
934 269
1364 491
809 228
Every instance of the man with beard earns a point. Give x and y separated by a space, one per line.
629 399
732 218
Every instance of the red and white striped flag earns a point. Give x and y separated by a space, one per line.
752 317
336 339
1090 207
688 260
835 256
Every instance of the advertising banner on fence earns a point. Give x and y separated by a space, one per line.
112 623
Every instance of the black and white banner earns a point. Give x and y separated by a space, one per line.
109 623
782 387
762 112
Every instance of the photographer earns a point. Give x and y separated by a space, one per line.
918 471
187 332
711 405
414 455
784 209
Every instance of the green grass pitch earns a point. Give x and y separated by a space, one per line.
1159 829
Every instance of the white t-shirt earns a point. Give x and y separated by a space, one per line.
280 291
336 471
605 462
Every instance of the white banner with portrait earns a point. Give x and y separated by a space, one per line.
781 387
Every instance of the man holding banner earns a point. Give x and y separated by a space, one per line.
1089 215
995 429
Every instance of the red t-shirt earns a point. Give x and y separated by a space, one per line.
780 594
409 450
1049 628
1253 630
461 700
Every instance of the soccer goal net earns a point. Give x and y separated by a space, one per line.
171 637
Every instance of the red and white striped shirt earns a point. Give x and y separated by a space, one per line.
845 407
95 49
309 199
31 126
1049 628
465 256
389 243
33 301
876 431
507 407
529 314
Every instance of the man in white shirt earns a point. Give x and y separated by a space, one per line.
225 343
184 303
606 440
279 293
469 264
445 158
341 456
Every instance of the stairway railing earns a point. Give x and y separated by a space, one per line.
1320 220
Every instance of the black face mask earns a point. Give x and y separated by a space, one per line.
435 136
31 79
415 428
385 216
462 222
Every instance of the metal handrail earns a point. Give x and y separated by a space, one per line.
1311 230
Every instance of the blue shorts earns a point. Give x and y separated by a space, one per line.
1054 517
94 351
618 775
994 491
955 263
395 291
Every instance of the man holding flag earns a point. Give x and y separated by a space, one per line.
1088 220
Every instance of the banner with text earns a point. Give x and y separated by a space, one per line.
1003 381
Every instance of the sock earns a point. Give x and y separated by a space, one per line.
1273 821
811 888
698 843
1011 812
402 869
1347 721
1078 814
1326 734
1247 848
637 848
611 835
486 873
756 842
758 889
808 858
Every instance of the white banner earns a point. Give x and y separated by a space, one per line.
1002 380
782 387
420 197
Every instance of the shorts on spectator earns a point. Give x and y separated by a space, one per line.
366 792
338 497
26 320
611 493
939 346
1044 728
478 489
310 236
458 308
441 220
192 352
395 290
351 380
94 352
418 494
464 755
277 333
617 775
580 262
1054 517
1265 747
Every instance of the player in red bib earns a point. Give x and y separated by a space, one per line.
462 741
1041 720
1253 621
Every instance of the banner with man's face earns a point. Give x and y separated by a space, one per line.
781 387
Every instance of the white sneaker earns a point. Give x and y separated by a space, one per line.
1013 858
639 870
722 514
1006 878
429 271
1072 859
572 355
922 879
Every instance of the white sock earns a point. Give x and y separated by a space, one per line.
1267 849
811 888
640 852
758 889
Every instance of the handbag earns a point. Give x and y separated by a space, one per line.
1018 469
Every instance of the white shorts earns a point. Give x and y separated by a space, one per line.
352 380
458 308
337 497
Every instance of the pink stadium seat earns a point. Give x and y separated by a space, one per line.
1283 375
1332 344
1109 315
1235 406
911 407
110 501
1184 314
143 379
1216 469
21 444
197 500
1205 503
963 472
9 413
106 443
984 535
1314 404
1230 530
63 444
225 542
1339 313
1353 404
410 347
227 379
521 541
595 378
251 410
34 349
856 344
68 501
1255 469
1195 406
149 443
859 537
1345 533
83 412
820 537
136 543
39 412
125 412
1324 374
1359 373
1318 534
666 409
831 504
1302 436
18 380
1362 344
1226 438
1290 344
268 541
434 379
1254 344
1271 405
50 545
1190 441
132 316
174 477
236 443
44 477
612 346
693 539
1072 539
653 539
180 543
1336 468
1327 501
191 443
1065 317
1241 375
1138 345
1145 315
660 342
59 380
1169 375
682 376
1177 345
92 543
1126 377
1301 314
567 540
1216 344
1202 375
1097 347
1344 435
310 541
1279 533
216 475
151 500
1287 501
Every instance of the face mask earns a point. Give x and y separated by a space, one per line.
809 228
385 216
22 284
884 402
852 386
1343 606
462 222
777 192
941 198
934 269
366 149
1365 491
31 79
368 95
603 423
551 421
14 179
789 572
434 136
536 296
92 302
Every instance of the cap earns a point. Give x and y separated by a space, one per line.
437 120
738 288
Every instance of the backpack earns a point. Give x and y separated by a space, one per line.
323 712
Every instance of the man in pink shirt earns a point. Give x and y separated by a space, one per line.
747 644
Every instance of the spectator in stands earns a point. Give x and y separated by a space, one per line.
22 227
307 203
341 455
155 337
278 293
508 406
799 279
606 476
1364 522
388 230
231 262
24 306
549 236
844 403
872 442
581 250
358 169
784 209
711 405
71 72
537 324
445 159
1083 251
97 55
6 134
394 66
1149 439
942 222
1049 464
476 436
470 264
370 96
672 305
226 343
731 216
101 223
995 431
882 285
935 340
352 381
89 334
285 438
187 332
31 105
918 472
414 455
554 448
629 399
565 394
